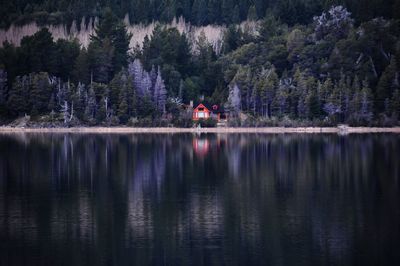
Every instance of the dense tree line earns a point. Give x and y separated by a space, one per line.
326 72
199 12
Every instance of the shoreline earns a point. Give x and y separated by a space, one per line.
164 130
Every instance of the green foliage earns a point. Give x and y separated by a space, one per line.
387 83
207 123
108 50
279 75
197 12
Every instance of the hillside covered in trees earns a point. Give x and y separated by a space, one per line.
319 64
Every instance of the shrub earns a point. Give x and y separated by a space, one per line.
211 122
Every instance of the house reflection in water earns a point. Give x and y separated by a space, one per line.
201 146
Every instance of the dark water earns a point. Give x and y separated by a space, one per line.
199 200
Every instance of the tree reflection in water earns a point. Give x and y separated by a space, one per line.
199 199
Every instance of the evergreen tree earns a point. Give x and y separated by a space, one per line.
312 103
3 90
269 27
122 88
52 103
366 111
333 106
141 78
281 104
160 93
40 93
395 105
325 90
234 99
91 105
37 52
123 107
355 102
267 85
81 71
108 48
103 111
231 39
386 84
299 94
64 57
18 98
101 56
78 100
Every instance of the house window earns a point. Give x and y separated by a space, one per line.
201 114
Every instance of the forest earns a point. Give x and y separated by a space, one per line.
328 65
197 12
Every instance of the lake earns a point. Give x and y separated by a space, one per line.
209 199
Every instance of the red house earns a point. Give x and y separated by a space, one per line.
201 112
205 111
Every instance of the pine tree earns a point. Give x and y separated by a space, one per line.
78 100
160 93
101 56
18 99
141 78
325 90
121 40
234 100
333 106
366 111
3 90
231 39
355 103
123 107
90 109
108 48
312 103
269 27
40 93
267 86
103 110
395 105
81 72
52 103
385 86
345 96
299 94
281 101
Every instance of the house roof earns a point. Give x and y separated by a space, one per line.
215 108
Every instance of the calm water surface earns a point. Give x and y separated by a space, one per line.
69 199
